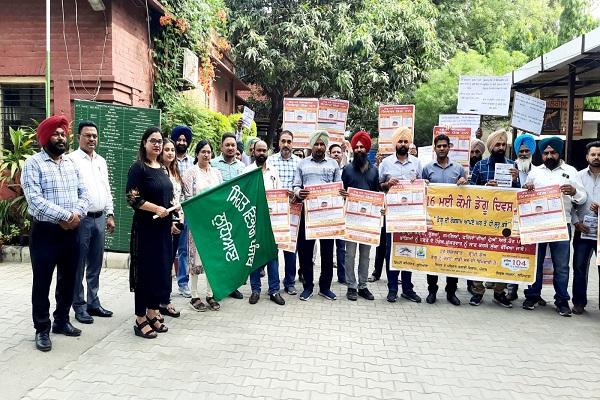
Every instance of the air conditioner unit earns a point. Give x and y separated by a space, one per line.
190 67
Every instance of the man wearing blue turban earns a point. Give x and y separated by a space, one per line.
554 171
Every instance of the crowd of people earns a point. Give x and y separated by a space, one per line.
70 202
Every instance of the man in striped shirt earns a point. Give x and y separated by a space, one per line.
56 199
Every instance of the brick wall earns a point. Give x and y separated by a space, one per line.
222 97
125 78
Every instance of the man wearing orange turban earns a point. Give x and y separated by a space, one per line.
56 204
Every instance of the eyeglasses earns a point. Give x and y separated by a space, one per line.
156 141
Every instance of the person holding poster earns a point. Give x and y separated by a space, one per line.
286 163
271 180
585 221
524 147
393 168
359 174
443 170
555 171
314 170
483 175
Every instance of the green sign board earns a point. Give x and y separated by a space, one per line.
120 129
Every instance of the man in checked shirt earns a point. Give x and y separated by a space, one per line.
56 199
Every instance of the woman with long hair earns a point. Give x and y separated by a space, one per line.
196 180
150 193
170 163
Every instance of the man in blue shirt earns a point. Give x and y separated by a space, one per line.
443 170
56 200
483 175
393 168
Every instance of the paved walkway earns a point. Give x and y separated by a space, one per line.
315 350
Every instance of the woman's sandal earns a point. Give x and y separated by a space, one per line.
212 303
161 328
138 329
169 310
197 305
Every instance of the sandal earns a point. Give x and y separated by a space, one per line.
169 310
212 303
161 328
138 329
197 305
160 318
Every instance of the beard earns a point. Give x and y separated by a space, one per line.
181 148
55 150
499 154
401 151
359 160
551 163
523 164
260 160
474 160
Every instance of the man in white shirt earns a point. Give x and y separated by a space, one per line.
555 171
99 218
271 179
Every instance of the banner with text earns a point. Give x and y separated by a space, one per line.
470 237
333 114
460 144
405 207
278 201
460 120
391 118
528 113
324 212
295 212
542 215
484 95
363 216
300 117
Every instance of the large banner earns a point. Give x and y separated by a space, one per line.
363 216
300 117
542 215
230 242
333 114
391 118
324 212
470 237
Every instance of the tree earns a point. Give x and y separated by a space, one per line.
575 19
439 95
365 51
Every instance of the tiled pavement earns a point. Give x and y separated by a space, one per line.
305 350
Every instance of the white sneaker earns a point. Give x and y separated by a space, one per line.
185 291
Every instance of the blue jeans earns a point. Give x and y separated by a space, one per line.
560 253
90 240
582 252
392 276
340 253
272 274
182 254
290 269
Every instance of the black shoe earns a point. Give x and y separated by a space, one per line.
170 311
66 329
542 302
430 298
412 297
501 300
84 317
366 294
253 298
452 299
42 341
563 310
277 299
476 299
100 312
373 278
470 290
529 304
578 309
392 297
291 291
236 294
351 294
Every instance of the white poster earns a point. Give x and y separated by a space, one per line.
247 117
484 95
528 113
460 121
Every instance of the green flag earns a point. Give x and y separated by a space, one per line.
232 231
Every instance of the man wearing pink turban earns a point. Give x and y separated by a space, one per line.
56 199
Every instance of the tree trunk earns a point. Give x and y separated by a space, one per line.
274 115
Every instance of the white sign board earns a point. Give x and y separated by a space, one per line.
528 113
247 117
425 154
460 121
190 67
484 95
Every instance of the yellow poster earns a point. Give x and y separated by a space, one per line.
470 235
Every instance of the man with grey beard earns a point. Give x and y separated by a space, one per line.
524 147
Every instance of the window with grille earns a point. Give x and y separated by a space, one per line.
20 105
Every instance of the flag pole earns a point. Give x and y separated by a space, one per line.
47 88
